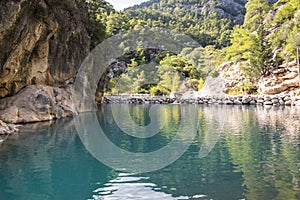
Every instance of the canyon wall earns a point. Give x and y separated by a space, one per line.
41 42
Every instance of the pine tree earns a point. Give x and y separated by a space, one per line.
256 11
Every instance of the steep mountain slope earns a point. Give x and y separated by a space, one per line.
232 9
207 21
283 34
266 47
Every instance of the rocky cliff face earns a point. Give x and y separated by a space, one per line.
283 79
41 42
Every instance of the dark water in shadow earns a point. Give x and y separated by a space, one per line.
256 156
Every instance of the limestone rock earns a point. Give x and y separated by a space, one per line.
231 75
237 102
278 71
37 103
6 129
246 100
268 103
42 42
284 79
272 89
290 75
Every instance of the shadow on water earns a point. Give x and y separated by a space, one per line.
255 155
47 161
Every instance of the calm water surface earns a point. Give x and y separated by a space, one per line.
257 156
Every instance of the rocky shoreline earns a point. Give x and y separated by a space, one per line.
35 103
6 130
59 105
264 100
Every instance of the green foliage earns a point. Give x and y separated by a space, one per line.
116 22
205 60
159 91
202 20
267 27
170 80
261 55
97 15
179 64
252 49
256 10
166 76
286 11
293 42
250 44
208 27
123 85
241 45
286 22
200 84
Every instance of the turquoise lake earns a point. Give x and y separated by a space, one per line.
254 153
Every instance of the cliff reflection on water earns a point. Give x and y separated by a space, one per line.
255 155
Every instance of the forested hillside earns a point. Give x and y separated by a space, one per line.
269 37
208 22
257 36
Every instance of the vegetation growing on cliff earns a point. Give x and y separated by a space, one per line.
267 37
208 22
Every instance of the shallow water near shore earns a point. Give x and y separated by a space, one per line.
256 156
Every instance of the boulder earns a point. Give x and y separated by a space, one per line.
246 100
37 103
268 103
237 102
288 103
228 102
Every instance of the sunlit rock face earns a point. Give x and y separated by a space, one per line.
42 42
284 79
231 75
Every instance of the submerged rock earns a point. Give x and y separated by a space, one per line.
37 103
